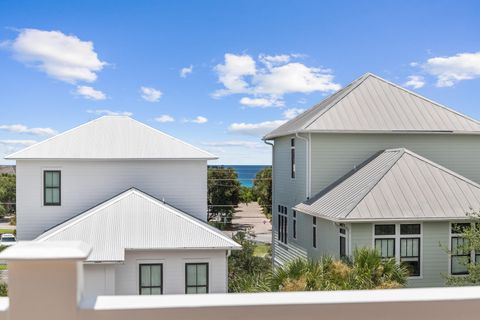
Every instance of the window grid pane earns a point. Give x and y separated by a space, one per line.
151 279
196 278
410 255
51 188
384 229
460 256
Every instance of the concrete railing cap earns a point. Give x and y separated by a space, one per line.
35 250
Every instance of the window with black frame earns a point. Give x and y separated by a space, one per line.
343 241
282 224
314 232
292 158
196 278
410 248
384 242
51 188
459 247
150 279
294 224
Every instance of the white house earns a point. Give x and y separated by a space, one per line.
136 195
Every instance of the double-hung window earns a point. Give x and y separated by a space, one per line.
401 242
292 158
314 232
196 278
51 188
282 224
151 279
461 255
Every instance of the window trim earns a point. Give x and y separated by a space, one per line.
207 286
457 235
397 236
140 287
45 203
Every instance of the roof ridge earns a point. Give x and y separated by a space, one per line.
425 98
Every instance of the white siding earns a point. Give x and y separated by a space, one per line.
99 279
183 184
126 275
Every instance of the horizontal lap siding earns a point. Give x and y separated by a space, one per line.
182 184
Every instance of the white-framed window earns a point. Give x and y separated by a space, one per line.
314 232
294 224
460 255
292 158
282 224
342 234
401 241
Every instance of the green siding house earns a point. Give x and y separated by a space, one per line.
376 165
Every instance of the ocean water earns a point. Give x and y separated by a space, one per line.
246 173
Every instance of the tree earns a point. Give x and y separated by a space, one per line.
223 191
470 232
246 195
247 272
367 271
7 192
262 190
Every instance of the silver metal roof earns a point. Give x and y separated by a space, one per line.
134 220
396 184
112 137
373 104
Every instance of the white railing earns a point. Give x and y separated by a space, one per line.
45 282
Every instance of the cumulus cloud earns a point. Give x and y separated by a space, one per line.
90 93
277 75
261 102
199 120
184 72
20 128
150 94
106 112
292 113
164 118
255 129
63 57
415 82
25 143
453 69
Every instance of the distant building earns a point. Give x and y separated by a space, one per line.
376 165
7 169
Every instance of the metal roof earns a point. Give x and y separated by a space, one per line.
373 104
112 137
134 220
396 184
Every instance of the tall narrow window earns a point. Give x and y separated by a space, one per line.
294 224
196 278
459 246
51 188
292 158
410 248
151 279
343 241
314 232
282 224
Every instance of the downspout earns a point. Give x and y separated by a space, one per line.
273 198
307 164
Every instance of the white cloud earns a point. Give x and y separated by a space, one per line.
450 70
90 93
277 76
235 143
415 82
107 112
18 142
292 113
199 119
63 57
255 129
20 128
261 102
184 72
164 118
233 72
151 94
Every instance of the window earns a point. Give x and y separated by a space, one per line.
196 278
292 158
401 242
461 255
282 224
314 232
343 241
51 188
294 224
151 279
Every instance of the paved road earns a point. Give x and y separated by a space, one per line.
251 216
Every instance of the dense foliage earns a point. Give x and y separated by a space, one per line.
7 193
246 271
367 271
246 195
471 244
223 192
3 289
262 190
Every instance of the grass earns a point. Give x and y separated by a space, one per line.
261 250
3 267
2 231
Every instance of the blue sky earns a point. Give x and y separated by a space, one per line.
247 65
